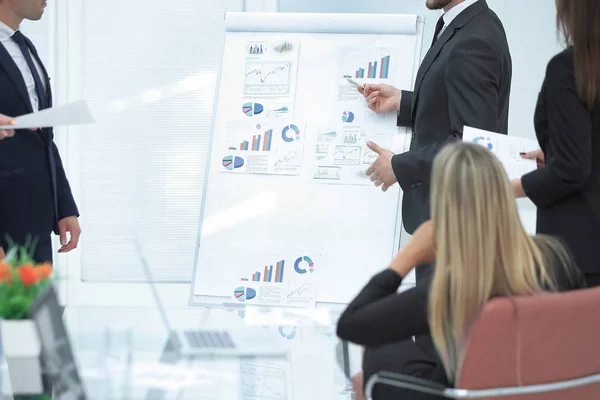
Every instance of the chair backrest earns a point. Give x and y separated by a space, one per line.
531 340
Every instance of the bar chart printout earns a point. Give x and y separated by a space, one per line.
259 142
271 273
373 71
367 64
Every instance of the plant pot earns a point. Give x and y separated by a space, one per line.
22 349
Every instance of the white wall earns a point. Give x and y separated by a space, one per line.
531 29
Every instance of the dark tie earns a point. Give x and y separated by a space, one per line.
20 39
438 28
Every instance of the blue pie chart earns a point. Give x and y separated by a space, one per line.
232 162
251 109
302 262
243 293
484 141
348 117
287 334
290 133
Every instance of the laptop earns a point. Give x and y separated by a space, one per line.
57 354
246 342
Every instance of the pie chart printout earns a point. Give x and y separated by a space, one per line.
233 162
252 109
243 293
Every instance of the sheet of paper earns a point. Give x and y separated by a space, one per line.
265 381
76 113
271 147
365 65
270 78
506 148
290 281
342 155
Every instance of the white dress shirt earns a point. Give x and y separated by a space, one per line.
13 49
454 11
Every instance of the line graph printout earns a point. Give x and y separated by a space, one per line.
270 76
262 382
301 292
267 78
266 147
287 157
342 155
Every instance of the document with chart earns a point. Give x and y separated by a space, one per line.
373 65
270 78
277 279
506 148
265 381
341 153
270 147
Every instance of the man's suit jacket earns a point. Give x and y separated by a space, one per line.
34 190
463 80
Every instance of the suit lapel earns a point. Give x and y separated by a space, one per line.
431 56
444 38
16 78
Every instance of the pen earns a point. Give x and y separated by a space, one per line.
355 83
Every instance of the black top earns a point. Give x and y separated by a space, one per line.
464 79
567 190
379 316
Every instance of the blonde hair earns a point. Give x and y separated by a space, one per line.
482 249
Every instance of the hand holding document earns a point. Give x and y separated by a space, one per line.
76 113
506 148
4 132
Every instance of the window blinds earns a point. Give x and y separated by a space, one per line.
149 74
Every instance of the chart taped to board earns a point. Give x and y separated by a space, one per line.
270 147
270 76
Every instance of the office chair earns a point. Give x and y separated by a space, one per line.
542 347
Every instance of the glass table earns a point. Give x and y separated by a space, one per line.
125 353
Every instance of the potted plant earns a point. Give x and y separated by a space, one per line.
21 281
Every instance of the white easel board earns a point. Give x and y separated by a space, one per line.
288 217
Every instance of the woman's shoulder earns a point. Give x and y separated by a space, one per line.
562 64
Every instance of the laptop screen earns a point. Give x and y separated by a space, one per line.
57 354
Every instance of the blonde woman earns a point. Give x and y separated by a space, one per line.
480 250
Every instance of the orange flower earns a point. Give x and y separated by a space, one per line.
5 273
43 271
28 275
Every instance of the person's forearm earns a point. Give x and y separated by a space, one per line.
518 190
403 263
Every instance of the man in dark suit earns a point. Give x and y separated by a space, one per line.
463 80
35 196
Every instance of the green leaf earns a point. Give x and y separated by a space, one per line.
18 307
